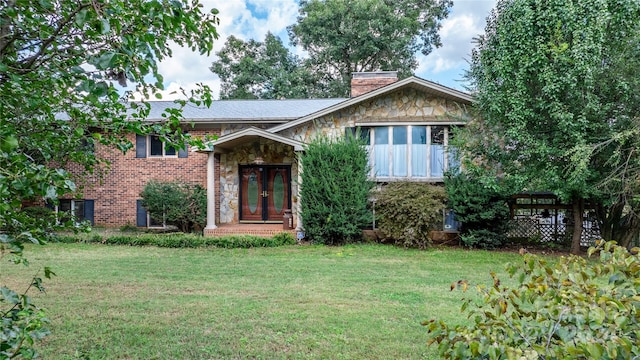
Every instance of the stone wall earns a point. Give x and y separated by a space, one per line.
407 105
272 153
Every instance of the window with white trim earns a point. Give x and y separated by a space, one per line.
409 151
153 223
77 209
159 148
144 219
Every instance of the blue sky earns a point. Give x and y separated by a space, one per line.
252 19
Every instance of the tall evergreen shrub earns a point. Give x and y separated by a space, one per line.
482 210
335 190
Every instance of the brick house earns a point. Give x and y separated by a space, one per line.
251 171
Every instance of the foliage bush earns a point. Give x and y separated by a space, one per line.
482 238
180 204
335 190
572 308
21 321
185 240
481 209
406 212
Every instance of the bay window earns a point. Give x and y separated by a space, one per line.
409 151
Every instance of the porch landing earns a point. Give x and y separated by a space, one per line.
266 230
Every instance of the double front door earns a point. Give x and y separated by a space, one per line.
265 192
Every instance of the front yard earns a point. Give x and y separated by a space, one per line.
293 302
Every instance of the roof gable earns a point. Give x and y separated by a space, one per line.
229 141
414 82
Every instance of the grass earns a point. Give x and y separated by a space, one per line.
293 302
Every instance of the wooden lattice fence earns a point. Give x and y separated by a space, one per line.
541 217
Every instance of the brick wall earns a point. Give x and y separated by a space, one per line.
362 83
116 192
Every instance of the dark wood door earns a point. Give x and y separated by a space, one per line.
251 194
265 192
277 184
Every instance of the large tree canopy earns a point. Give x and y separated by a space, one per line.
558 107
345 36
340 37
59 63
261 70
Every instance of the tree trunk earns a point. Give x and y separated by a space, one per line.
629 229
578 212
609 218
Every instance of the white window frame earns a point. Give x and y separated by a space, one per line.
409 126
164 148
72 209
154 226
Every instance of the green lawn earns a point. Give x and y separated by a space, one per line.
296 302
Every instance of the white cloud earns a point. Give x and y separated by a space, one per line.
186 68
466 21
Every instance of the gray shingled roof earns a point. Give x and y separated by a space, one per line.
245 110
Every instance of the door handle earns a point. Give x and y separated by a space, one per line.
265 194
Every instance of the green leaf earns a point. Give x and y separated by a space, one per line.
81 17
105 60
105 27
48 273
9 295
9 143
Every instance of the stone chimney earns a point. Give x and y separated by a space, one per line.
364 82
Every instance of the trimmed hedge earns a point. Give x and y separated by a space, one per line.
184 240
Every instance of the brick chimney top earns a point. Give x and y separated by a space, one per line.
364 82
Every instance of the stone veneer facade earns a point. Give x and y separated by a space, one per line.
408 105
403 106
272 152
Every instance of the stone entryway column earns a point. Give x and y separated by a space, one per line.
211 191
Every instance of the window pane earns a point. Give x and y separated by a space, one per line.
400 160
169 151
278 192
78 209
437 160
253 192
419 151
65 205
381 159
418 135
437 135
156 145
381 135
365 135
452 157
381 151
419 160
399 151
399 135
